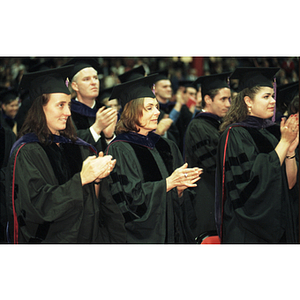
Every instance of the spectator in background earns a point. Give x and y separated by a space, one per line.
169 111
9 100
94 122
189 94
104 96
198 106
16 67
189 99
201 141
113 103
118 67
288 65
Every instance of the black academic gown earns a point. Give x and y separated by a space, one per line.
7 139
46 202
151 214
201 142
182 123
7 121
172 132
253 201
83 118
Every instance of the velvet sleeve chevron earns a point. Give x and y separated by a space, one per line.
253 182
136 198
201 142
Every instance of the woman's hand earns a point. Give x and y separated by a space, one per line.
106 170
96 168
183 178
290 129
289 137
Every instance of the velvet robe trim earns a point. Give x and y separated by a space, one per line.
148 164
32 138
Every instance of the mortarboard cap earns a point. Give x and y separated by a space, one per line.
46 82
43 66
250 77
132 74
105 93
287 92
80 63
7 95
139 88
211 82
187 83
162 75
215 81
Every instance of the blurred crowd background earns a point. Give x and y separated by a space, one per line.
179 68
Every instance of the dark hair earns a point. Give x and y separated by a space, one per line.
211 93
293 107
9 100
238 110
36 122
132 111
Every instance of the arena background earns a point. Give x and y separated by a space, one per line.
179 68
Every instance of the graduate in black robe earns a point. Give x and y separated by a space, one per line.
150 181
94 122
50 191
200 148
257 169
169 110
189 94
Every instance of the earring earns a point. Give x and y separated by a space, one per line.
249 109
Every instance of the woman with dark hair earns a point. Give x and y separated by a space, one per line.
150 181
257 170
50 191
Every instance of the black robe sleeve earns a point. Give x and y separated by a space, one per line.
82 125
201 141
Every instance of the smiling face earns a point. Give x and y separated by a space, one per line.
11 108
57 112
150 115
263 104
